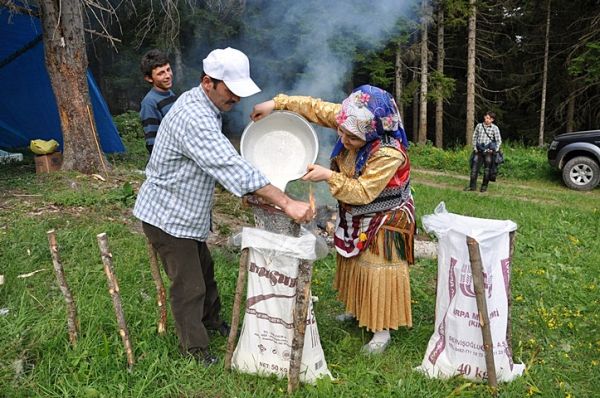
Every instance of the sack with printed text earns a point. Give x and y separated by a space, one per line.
456 346
265 343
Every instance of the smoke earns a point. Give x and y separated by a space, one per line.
307 47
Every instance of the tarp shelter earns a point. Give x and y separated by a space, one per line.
27 105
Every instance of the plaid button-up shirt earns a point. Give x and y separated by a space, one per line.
483 135
190 154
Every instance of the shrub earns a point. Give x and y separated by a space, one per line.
129 126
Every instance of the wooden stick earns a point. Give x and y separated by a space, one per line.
113 289
511 252
300 313
72 322
100 153
237 302
161 296
484 320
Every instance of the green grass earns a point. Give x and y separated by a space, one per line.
555 291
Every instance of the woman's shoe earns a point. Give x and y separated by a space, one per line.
374 348
346 316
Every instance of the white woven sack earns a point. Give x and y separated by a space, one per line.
265 343
456 346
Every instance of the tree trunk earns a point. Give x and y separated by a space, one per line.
66 62
470 116
544 78
424 75
178 62
570 114
415 110
439 102
399 84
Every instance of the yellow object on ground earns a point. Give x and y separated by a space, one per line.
42 147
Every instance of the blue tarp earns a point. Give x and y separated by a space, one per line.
28 108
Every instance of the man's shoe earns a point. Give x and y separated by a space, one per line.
203 357
469 189
483 188
223 329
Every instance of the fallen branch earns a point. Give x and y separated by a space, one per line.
32 273
113 289
72 322
161 297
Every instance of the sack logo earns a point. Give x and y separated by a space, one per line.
466 282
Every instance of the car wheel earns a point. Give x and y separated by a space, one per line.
581 173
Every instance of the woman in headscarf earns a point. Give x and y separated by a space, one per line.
370 178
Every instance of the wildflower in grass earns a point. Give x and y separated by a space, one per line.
573 240
519 298
594 362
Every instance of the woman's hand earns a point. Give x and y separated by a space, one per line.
261 110
317 173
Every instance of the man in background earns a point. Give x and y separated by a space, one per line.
486 142
156 69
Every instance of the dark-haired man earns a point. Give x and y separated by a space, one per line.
486 142
190 156
156 69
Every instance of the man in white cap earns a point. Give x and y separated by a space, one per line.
175 202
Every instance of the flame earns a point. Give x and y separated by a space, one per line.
311 199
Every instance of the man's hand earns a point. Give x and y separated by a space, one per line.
317 173
300 212
296 210
261 110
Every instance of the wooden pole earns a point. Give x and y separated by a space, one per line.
72 322
300 313
237 303
161 296
113 289
511 252
484 321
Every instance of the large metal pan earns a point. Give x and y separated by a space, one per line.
280 145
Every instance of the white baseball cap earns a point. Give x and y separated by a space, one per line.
233 68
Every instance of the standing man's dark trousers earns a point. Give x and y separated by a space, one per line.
194 297
481 158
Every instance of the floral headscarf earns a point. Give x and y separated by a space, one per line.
369 113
